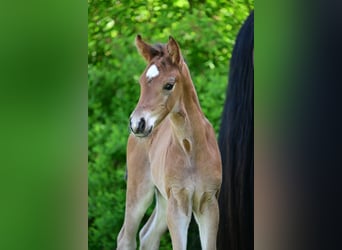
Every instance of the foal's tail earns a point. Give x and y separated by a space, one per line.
236 142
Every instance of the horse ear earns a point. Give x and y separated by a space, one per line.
146 50
174 50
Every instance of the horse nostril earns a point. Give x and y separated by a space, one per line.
141 125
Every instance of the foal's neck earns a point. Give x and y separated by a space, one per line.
188 121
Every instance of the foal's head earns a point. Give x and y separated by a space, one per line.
160 85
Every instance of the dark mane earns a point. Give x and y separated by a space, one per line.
158 49
236 142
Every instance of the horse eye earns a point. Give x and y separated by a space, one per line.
168 86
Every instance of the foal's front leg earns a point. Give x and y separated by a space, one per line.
179 211
207 217
139 194
155 227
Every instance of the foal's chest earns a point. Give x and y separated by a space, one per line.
170 163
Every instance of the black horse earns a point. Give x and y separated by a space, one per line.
236 142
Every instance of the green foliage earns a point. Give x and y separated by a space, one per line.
206 32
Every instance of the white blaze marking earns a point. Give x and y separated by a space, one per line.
152 72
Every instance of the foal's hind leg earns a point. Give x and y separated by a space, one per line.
155 227
207 218
139 194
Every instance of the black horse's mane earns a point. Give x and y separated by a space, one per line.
236 142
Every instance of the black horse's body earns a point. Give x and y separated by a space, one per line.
236 142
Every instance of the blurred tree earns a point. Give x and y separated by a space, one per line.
205 30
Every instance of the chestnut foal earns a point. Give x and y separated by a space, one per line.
171 152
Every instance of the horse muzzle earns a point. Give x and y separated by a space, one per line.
140 127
